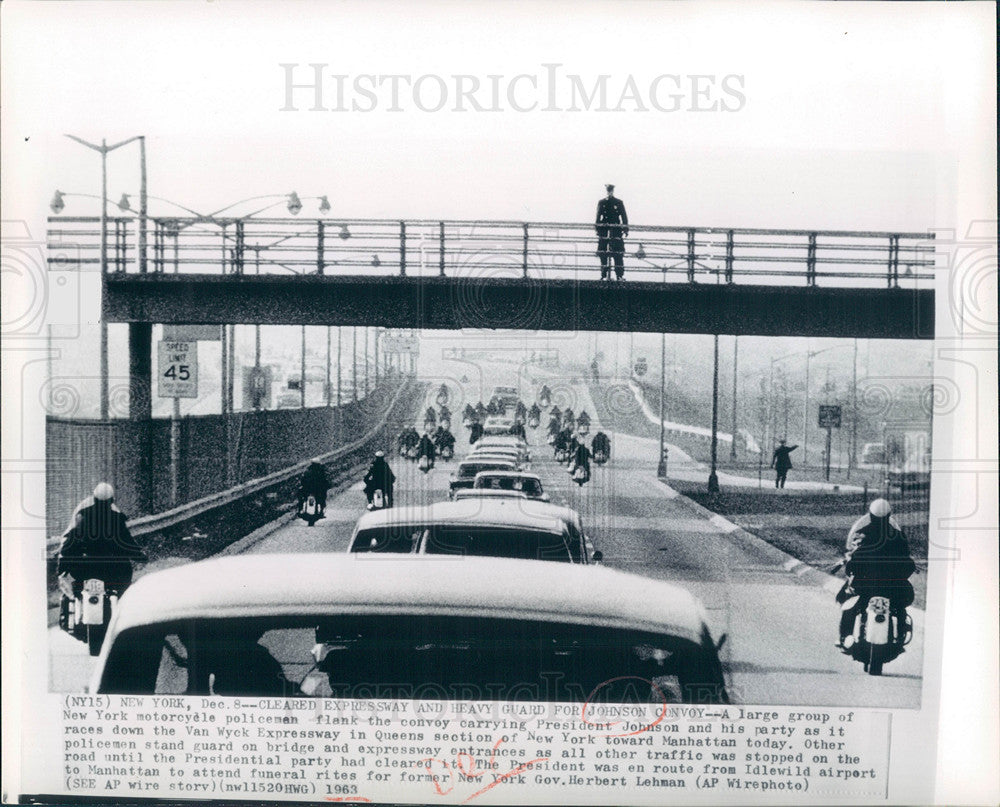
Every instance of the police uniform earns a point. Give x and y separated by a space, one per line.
612 227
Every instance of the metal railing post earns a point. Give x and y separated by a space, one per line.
811 261
729 257
690 255
320 237
441 262
893 261
402 248
239 250
524 252
157 247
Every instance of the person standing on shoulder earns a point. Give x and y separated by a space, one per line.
781 461
612 228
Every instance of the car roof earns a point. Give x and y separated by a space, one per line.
295 584
486 493
510 475
488 459
522 513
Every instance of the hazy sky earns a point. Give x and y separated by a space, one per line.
837 117
845 116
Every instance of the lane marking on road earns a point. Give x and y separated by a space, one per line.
723 524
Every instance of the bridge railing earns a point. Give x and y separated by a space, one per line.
482 249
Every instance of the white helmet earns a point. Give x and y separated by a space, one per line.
104 492
879 508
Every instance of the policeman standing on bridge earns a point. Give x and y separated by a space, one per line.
612 228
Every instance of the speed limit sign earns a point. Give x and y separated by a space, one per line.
178 369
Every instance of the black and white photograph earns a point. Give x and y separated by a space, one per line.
532 403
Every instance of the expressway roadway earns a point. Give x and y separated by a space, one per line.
780 628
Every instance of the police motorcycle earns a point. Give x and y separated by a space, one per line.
468 416
601 448
85 614
554 429
874 624
444 418
880 632
534 416
310 510
444 442
442 395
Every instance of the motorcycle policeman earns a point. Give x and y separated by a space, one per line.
425 448
315 483
379 477
97 544
877 562
580 460
601 443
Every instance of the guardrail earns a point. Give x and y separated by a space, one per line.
280 485
146 525
531 250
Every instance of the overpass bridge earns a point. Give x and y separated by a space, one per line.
498 274
456 275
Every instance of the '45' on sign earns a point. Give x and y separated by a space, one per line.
178 369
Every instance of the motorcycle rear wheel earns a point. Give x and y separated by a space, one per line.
95 638
876 655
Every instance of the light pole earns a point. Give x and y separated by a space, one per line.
773 419
713 477
302 370
736 353
662 466
340 342
329 391
103 150
853 450
354 361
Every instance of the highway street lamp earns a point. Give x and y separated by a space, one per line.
662 466
103 150
736 349
713 477
774 410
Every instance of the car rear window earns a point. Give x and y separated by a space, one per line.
389 538
429 656
470 469
496 542
531 487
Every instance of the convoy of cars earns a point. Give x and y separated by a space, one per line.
525 610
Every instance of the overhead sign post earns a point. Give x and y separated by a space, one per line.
829 419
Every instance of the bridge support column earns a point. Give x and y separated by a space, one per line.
140 406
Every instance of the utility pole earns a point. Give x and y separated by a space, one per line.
736 353
713 477
852 457
662 467
302 371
